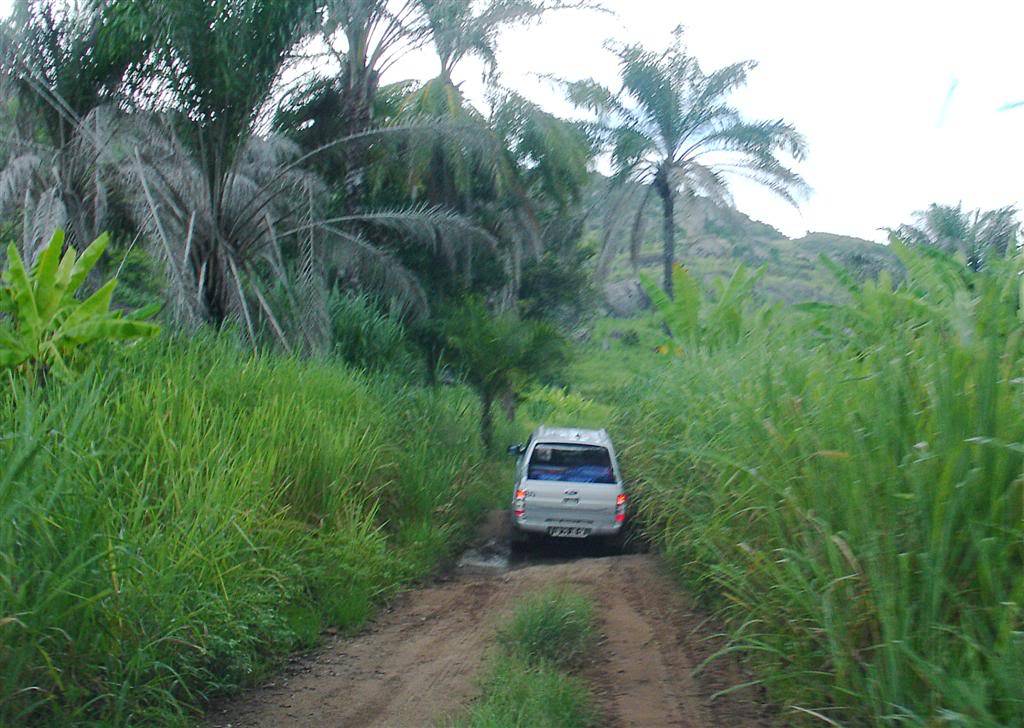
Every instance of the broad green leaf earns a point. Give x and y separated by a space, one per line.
64 270
10 358
686 307
45 278
147 311
26 312
95 305
108 328
86 263
12 349
681 315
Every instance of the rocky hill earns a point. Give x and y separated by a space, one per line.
713 239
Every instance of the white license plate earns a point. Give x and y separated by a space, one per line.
568 532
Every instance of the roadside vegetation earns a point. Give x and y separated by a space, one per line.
182 515
843 482
266 309
529 681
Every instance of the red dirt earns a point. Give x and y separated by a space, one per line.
417 664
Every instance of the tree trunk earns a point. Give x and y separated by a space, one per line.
210 277
668 208
487 420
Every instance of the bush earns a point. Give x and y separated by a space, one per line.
366 338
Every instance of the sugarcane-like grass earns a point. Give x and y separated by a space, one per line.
176 520
845 485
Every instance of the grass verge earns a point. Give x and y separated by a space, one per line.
528 683
174 522
843 483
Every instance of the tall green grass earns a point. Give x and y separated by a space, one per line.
846 485
179 518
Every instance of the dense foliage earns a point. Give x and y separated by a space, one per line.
176 520
844 483
336 252
252 150
49 325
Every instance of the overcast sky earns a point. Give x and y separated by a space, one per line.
868 83
899 99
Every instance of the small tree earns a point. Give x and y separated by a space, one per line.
45 323
499 354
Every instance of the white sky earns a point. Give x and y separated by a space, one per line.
868 83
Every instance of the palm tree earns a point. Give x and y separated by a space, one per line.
977 235
527 166
364 39
463 28
233 205
499 355
671 128
64 63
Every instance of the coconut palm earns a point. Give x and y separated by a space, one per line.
977 235
671 128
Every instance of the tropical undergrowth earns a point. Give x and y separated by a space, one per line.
844 484
180 516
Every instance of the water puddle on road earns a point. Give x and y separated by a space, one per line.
491 556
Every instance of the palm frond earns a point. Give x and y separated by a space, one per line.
17 177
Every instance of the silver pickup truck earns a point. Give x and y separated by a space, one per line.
567 485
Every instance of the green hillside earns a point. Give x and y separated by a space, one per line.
714 238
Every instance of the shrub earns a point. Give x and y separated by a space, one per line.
49 324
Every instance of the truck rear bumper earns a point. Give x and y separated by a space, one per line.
540 527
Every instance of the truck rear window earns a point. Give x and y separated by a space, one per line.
568 462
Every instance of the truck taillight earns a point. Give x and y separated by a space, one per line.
519 507
620 508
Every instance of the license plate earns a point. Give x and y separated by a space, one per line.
568 532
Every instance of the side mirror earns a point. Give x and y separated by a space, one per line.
517 450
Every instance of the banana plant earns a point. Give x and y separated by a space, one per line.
681 314
722 322
43 324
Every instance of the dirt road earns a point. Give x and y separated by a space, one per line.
417 663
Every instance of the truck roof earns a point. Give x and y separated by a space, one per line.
572 434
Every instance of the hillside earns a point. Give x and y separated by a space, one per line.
714 239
